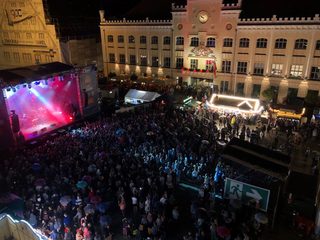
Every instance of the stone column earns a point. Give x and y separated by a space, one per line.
265 84
283 90
248 86
303 89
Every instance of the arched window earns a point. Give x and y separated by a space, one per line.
301 44
120 39
143 39
280 43
154 40
194 42
180 41
262 43
110 38
227 42
244 42
166 40
211 42
131 39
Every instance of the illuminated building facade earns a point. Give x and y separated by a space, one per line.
206 42
27 35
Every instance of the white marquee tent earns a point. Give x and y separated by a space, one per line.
135 96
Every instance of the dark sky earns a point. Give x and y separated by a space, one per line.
119 7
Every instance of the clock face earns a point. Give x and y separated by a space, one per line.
180 26
203 16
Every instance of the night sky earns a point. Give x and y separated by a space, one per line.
120 7
81 17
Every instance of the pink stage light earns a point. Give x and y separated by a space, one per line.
46 106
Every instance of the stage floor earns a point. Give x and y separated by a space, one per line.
36 131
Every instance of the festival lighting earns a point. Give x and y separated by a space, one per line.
29 86
256 109
37 82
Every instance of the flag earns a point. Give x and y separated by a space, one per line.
214 69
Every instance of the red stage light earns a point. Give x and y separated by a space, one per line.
71 118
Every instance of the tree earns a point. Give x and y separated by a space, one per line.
269 94
112 74
133 77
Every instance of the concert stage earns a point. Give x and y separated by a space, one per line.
41 99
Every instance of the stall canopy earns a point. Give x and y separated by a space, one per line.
22 230
28 74
234 103
291 111
135 96
258 158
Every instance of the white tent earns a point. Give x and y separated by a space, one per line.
18 230
135 96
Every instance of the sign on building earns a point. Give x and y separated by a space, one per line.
246 193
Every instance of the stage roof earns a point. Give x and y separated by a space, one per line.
28 74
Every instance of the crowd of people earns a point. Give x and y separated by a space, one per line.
128 166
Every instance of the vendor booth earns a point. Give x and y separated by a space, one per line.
234 104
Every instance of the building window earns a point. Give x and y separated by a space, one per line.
120 39
312 94
122 58
131 39
276 69
143 60
224 86
240 89
194 42
6 56
280 43
179 63
167 62
244 42
155 62
17 35
226 66
211 42
301 44
112 57
262 43
180 41
16 57
318 45
110 39
28 35
315 73
242 67
41 35
256 88
37 59
227 42
166 40
154 40
209 65
296 71
143 40
27 57
193 63
133 60
258 69
292 95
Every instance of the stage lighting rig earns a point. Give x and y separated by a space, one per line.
29 86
